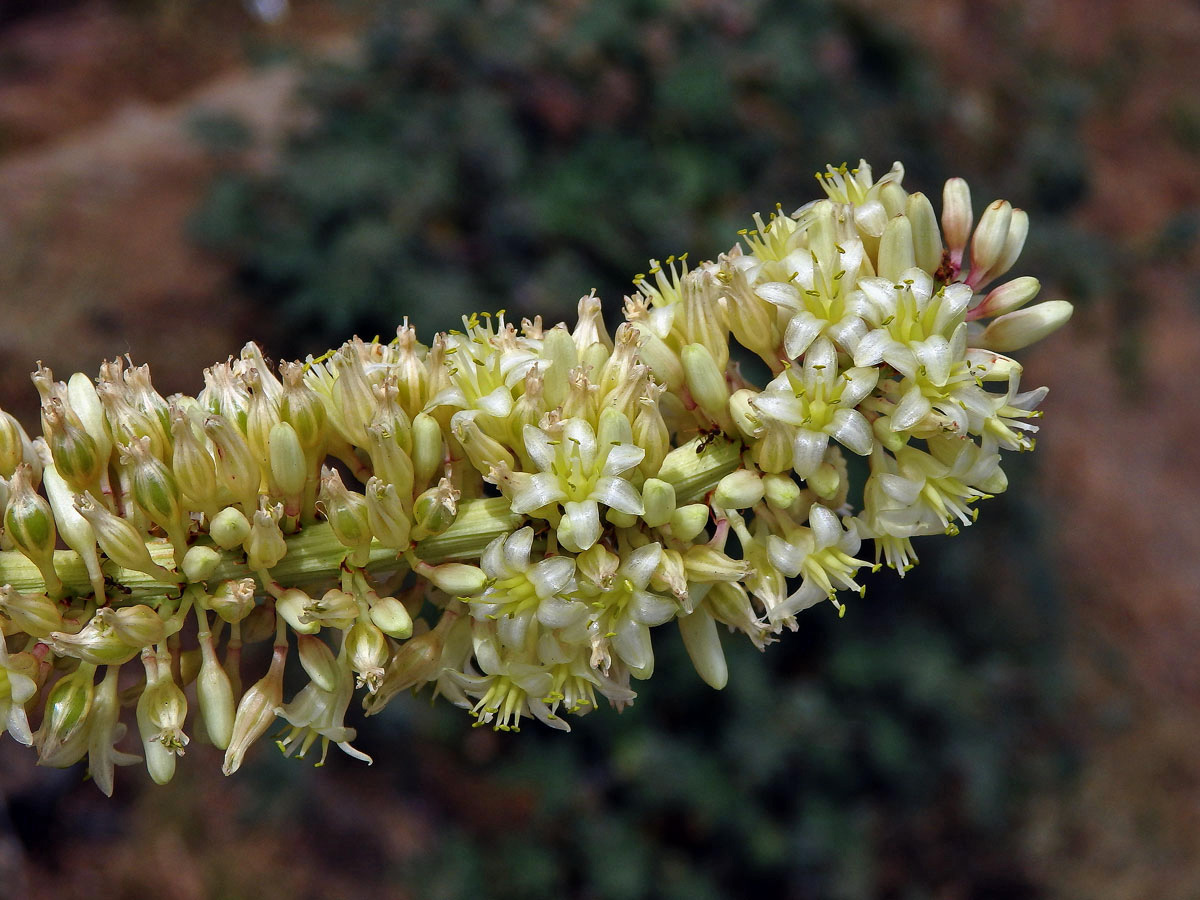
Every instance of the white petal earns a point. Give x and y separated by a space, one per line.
703 643
934 354
781 407
820 362
802 330
652 609
856 384
492 560
912 408
558 612
786 556
622 458
808 450
808 595
551 576
641 563
618 494
542 489
901 358
851 430
826 528
512 629
871 348
955 298
901 489
578 433
632 643
540 447
579 528
516 549
498 403
780 293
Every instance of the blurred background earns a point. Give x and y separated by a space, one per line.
1018 718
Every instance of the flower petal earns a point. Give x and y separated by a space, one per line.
541 490
850 428
622 458
618 494
579 527
808 450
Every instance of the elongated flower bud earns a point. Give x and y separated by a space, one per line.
75 454
346 511
29 523
265 546
386 515
120 541
703 645
34 614
156 492
12 444
214 690
62 739
318 661
391 617
256 711
236 467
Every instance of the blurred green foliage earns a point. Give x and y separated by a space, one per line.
517 154
487 155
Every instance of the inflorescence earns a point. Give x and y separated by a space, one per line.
505 514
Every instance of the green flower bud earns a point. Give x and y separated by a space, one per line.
229 528
688 521
256 711
233 600
352 396
369 652
138 626
75 531
75 454
195 472
456 579
84 400
289 468
926 237
781 490
29 523
96 644
292 606
662 360
435 510
318 661
739 490
389 458
265 546
63 738
302 409
386 517
659 499
34 614
392 618
484 451
236 467
156 492
560 351
427 452
12 444
199 563
346 511
703 645
120 541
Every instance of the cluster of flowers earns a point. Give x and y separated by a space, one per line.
504 515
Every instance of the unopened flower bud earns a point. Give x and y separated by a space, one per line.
156 491
456 579
987 245
369 652
256 711
29 523
926 238
233 600
1007 297
739 490
318 661
346 511
229 528
265 546
896 254
559 350
62 739
484 451
703 645
386 515
289 468
120 541
76 532
781 491
301 408
34 614
707 384
199 563
1026 326
392 618
435 510
138 626
658 497
957 216
12 444
427 452
688 521
292 606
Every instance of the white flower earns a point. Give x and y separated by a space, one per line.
818 403
578 474
823 554
316 713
